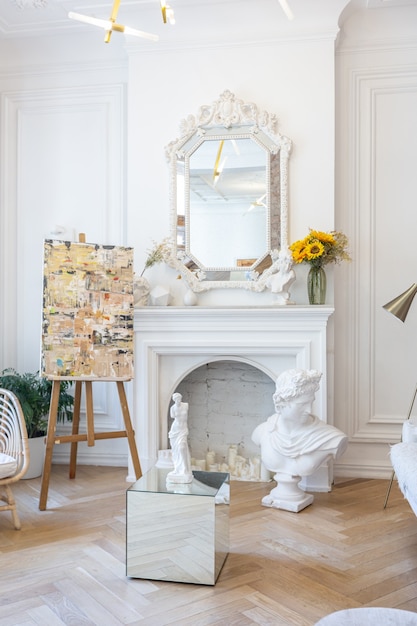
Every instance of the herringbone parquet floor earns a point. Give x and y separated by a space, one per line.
67 564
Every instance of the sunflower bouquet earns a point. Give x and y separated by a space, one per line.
320 248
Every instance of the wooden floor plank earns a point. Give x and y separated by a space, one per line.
67 564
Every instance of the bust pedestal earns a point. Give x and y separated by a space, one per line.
287 495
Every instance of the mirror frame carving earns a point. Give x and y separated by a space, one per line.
227 112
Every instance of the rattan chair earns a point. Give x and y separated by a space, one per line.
14 450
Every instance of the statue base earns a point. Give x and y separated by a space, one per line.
287 495
179 478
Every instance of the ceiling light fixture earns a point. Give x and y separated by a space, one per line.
218 168
167 13
110 24
257 203
285 7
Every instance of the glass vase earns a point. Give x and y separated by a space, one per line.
316 285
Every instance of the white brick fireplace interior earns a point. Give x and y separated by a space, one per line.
172 342
226 398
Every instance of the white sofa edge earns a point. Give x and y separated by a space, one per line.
404 461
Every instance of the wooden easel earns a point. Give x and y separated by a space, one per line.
90 436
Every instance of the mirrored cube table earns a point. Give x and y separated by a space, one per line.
177 532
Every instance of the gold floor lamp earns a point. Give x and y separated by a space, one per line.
399 307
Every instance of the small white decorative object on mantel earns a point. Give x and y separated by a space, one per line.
294 443
281 280
178 437
141 287
160 296
141 291
190 298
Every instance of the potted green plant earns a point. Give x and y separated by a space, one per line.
34 394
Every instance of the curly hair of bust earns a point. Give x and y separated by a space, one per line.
293 384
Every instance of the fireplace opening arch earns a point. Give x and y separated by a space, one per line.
227 397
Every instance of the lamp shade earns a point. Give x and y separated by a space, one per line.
401 304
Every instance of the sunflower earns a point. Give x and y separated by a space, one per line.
314 250
323 237
298 250
320 248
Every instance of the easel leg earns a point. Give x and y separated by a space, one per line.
89 412
50 440
129 430
75 428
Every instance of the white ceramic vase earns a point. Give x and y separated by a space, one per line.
190 298
141 291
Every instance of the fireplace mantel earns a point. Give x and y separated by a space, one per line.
170 342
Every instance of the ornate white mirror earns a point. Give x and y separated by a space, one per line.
228 193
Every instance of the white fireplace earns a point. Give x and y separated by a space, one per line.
170 342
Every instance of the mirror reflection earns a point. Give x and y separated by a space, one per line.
228 211
228 196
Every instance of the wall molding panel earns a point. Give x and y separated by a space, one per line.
63 155
375 374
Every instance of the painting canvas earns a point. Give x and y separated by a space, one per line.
87 325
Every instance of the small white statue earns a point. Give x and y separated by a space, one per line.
178 437
294 443
280 281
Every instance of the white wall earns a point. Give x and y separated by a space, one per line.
83 130
293 79
63 162
375 355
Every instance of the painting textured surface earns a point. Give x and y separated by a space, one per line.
87 325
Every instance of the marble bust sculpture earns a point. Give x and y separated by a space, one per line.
280 281
178 437
294 443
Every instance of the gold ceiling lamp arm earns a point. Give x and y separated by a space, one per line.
164 11
112 19
217 169
167 13
110 24
115 10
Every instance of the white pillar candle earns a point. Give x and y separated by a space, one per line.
255 468
232 457
210 458
239 465
201 464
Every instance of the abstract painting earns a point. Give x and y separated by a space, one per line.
87 321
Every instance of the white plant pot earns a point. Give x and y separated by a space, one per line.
36 459
141 291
